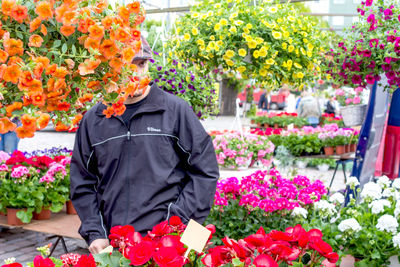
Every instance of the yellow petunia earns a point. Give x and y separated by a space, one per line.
291 18
263 72
249 26
233 16
195 15
229 53
286 34
220 43
300 75
203 16
272 9
276 35
247 31
290 48
256 54
233 29
259 40
241 69
297 65
230 62
212 37
270 61
252 44
238 22
200 42
303 51
195 31
186 37
223 22
242 52
284 46
309 53
217 27
310 46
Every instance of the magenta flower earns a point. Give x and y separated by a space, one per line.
368 2
356 79
373 42
388 12
349 101
356 100
359 89
371 18
370 79
386 67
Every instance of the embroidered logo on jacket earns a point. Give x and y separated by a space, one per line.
151 129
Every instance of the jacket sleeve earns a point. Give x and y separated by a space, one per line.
197 195
84 185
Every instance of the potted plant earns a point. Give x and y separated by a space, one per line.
328 142
261 148
301 163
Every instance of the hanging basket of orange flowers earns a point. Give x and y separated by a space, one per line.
58 58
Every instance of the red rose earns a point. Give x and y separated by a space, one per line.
175 221
168 257
15 264
264 260
141 253
86 261
39 261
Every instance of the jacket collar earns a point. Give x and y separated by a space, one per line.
155 101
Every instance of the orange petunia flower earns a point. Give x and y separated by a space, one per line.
26 101
25 80
69 17
144 82
108 48
19 13
14 47
116 64
51 104
124 13
11 108
61 72
63 106
122 35
88 66
43 30
84 25
139 19
128 54
43 9
3 56
119 108
3 68
38 70
78 117
44 60
60 11
61 127
96 32
93 85
34 24
100 6
86 98
22 132
134 7
35 41
15 60
70 63
43 120
131 88
12 73
28 122
50 70
36 86
108 112
8 125
38 99
136 35
92 43
136 45
60 85
67 30
107 22
7 7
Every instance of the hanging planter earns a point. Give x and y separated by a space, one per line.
353 115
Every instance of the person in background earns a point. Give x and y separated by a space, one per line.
309 108
331 106
263 103
9 141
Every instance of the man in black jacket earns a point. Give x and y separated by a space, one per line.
141 168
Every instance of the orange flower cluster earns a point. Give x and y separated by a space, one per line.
86 59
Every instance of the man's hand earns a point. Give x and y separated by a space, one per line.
98 245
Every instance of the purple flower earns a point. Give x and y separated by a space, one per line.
373 42
356 79
172 70
361 11
182 91
180 86
368 2
388 12
391 75
159 68
156 80
370 79
372 65
388 60
391 38
381 46
367 53
371 19
386 67
174 62
151 60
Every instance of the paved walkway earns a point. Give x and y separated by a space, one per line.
22 244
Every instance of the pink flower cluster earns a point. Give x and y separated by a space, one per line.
232 150
53 170
350 97
4 167
19 171
4 156
269 191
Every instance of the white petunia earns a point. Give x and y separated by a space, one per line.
387 223
378 206
325 207
389 192
396 240
349 224
337 197
352 182
371 191
396 183
298 211
397 210
384 181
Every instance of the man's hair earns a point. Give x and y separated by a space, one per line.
145 51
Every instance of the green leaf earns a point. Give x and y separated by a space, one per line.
25 216
57 43
20 36
237 262
64 48
107 260
73 49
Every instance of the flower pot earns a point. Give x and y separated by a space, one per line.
12 218
347 148
253 121
3 213
70 208
353 115
301 164
45 214
353 147
323 167
329 150
340 150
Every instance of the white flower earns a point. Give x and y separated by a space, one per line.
396 240
352 181
384 181
396 183
371 191
9 260
300 211
349 224
378 206
389 192
387 223
325 207
337 197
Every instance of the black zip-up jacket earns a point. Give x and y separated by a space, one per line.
162 164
